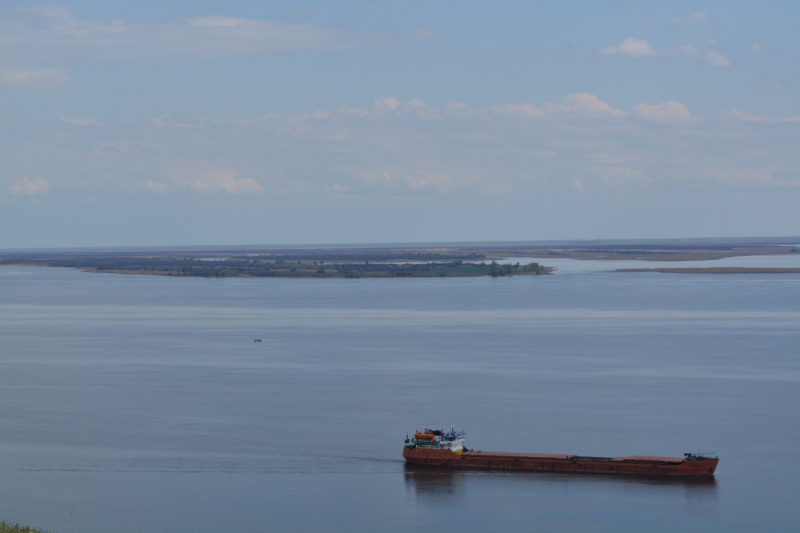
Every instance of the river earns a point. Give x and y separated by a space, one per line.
142 403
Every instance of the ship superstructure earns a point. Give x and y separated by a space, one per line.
437 439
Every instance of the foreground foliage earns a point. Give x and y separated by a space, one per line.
7 527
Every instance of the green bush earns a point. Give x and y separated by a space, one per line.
7 527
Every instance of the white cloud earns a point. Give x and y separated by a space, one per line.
408 178
29 187
422 179
336 188
757 47
34 80
699 17
713 41
575 103
214 181
387 104
685 50
773 83
716 59
60 20
630 47
516 110
165 122
53 35
738 114
127 147
666 112
154 186
387 149
758 176
640 48
222 22
619 175
316 115
456 105
81 121
413 108
348 111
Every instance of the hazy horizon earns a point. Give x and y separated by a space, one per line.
789 239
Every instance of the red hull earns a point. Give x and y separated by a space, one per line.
540 462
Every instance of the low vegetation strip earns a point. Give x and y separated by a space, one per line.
714 270
331 256
348 270
262 266
7 527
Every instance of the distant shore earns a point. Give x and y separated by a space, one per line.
244 266
403 260
714 270
435 271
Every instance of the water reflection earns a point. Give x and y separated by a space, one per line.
427 482
569 265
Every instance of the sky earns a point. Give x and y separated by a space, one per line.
216 123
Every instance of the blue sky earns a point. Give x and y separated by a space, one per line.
169 123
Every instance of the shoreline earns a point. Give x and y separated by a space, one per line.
543 270
713 270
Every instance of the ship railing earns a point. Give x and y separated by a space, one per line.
700 456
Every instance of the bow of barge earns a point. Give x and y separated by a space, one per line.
437 448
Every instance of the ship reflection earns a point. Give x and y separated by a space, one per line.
677 481
427 481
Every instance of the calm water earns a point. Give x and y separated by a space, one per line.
141 403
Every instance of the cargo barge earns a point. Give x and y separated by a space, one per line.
437 448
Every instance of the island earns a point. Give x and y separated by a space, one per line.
279 264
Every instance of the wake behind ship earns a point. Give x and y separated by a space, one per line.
436 448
